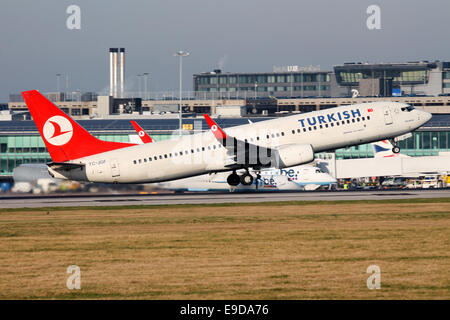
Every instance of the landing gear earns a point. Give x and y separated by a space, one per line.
258 178
395 148
246 179
233 179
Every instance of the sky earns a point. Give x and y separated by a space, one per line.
234 35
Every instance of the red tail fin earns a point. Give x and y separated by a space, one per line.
64 138
145 138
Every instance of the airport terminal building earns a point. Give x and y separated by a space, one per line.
418 78
285 89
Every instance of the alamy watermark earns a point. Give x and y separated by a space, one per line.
74 280
374 280
73 21
374 20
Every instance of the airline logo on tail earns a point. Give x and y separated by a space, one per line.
58 130
141 133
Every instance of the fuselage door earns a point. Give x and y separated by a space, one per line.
387 115
115 172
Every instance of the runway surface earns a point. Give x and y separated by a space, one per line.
76 200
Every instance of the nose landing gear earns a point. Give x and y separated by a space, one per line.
396 149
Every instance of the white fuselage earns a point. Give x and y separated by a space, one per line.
201 153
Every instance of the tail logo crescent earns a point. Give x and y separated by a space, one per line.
58 130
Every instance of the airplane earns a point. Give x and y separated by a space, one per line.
297 178
303 177
281 143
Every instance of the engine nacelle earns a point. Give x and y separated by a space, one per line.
294 155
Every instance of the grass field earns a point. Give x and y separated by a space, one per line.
304 250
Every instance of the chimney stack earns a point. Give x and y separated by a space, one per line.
111 71
122 72
116 63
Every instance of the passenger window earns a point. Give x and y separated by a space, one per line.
145 159
134 161
326 125
293 131
155 157
165 156
140 160
150 159
368 117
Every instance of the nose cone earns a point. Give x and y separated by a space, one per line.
425 116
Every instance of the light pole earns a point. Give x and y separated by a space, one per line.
139 85
57 81
145 74
181 54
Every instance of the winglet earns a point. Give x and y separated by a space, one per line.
141 133
218 133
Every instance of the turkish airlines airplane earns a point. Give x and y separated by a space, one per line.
279 143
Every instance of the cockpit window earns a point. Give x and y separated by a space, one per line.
408 108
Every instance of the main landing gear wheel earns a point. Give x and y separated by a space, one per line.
233 179
246 179
396 149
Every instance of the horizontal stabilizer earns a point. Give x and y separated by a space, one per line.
65 165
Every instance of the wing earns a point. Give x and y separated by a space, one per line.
242 154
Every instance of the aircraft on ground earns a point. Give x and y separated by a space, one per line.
279 143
